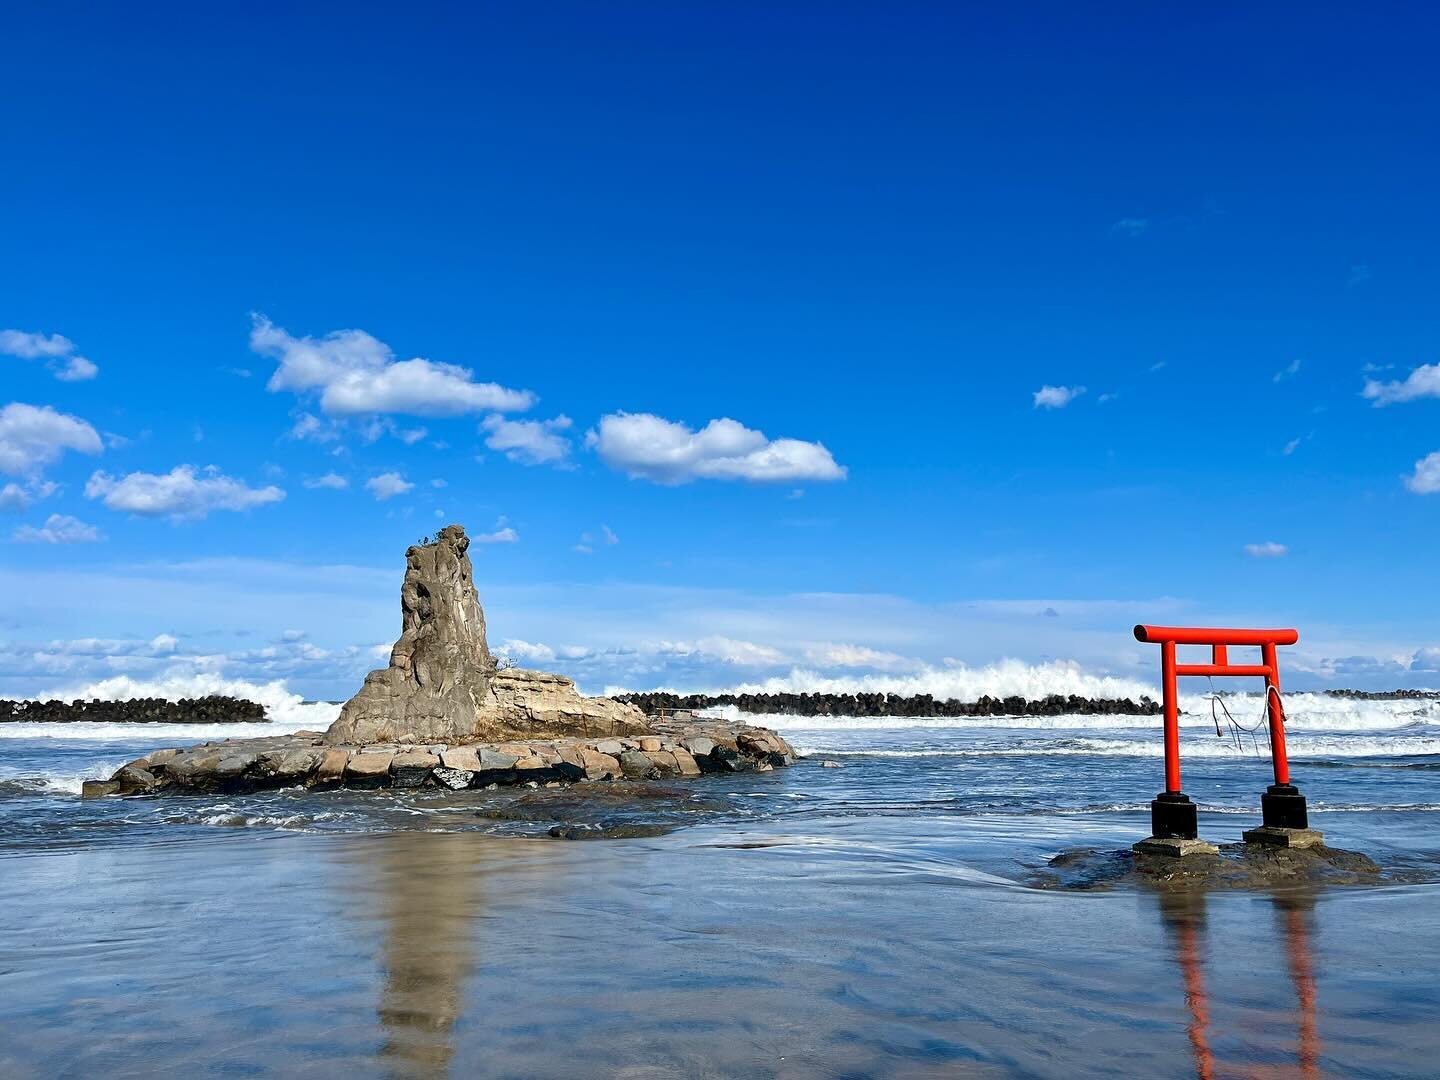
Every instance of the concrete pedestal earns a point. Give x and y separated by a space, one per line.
1174 846
1280 837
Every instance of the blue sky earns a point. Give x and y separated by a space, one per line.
534 253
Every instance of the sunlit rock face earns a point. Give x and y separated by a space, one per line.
442 685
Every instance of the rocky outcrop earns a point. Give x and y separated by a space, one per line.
442 684
1233 866
305 759
214 709
440 668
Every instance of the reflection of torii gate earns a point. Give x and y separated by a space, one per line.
1184 916
1172 814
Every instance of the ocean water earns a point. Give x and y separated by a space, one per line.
878 919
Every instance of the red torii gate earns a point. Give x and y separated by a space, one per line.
1172 814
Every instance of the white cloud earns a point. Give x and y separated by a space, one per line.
180 494
53 347
76 369
1289 371
1268 550
310 428
388 485
58 529
32 437
1423 382
608 535
354 374
530 442
650 447
516 649
331 480
503 535
1425 480
1130 226
1056 397
14 497
34 346
1290 447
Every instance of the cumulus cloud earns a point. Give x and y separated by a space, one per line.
331 480
14 497
182 494
1423 382
65 363
532 652
32 437
503 534
646 446
1268 550
58 529
353 374
388 485
1056 397
530 442
1425 480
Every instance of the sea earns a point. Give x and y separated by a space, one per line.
881 909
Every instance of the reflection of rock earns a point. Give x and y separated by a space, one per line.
442 685
430 907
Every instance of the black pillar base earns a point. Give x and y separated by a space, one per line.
1173 817
1283 807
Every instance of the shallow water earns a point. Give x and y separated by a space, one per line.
873 920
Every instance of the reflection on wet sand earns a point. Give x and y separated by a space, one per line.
1184 916
426 893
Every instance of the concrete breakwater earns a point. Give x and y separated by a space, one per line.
861 704
305 759
213 709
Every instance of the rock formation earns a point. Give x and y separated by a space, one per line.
442 685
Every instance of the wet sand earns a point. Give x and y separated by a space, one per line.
777 950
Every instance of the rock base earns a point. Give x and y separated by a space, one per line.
1231 866
305 759
1286 838
1174 847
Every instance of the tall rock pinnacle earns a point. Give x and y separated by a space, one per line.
442 685
440 669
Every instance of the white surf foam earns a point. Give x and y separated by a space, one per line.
285 710
1311 746
960 682
1303 712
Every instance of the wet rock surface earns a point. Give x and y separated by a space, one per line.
304 759
600 811
1237 866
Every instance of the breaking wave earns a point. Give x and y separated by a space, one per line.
1303 712
286 711
1007 678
